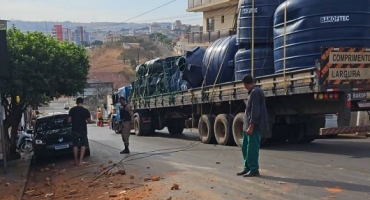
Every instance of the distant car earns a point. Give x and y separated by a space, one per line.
53 136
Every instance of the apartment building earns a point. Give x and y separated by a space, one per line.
219 17
57 32
67 35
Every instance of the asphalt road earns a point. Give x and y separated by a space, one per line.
324 169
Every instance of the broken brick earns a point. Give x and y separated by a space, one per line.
72 192
121 171
175 186
156 178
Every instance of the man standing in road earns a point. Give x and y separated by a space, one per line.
255 126
79 117
126 116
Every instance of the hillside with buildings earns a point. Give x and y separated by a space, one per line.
116 48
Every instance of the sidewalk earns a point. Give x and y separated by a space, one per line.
12 183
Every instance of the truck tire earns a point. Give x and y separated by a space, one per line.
295 133
237 128
87 152
116 126
223 129
308 139
205 128
138 126
176 126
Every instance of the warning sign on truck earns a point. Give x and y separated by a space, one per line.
349 57
345 65
349 74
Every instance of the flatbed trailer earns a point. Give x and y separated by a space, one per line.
296 100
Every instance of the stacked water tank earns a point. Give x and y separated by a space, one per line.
263 38
302 27
218 61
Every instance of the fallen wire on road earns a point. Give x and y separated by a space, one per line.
108 169
156 152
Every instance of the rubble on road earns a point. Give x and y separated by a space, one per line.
175 186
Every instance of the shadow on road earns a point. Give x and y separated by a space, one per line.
185 136
321 183
339 147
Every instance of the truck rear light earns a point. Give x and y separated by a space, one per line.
326 96
336 96
331 96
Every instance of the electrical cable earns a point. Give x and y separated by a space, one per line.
144 13
120 163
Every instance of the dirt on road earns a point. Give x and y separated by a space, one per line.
109 180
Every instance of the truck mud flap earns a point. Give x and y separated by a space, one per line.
344 130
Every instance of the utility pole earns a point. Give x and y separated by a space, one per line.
4 70
138 56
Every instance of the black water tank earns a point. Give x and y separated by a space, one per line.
263 62
219 60
191 66
263 20
312 24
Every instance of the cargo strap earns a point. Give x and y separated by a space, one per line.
285 20
252 47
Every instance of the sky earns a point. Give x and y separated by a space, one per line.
98 11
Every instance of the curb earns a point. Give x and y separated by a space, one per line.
23 190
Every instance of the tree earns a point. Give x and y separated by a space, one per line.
97 43
42 69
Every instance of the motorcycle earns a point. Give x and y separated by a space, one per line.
24 140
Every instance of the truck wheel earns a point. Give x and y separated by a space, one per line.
295 133
176 126
138 126
205 128
308 139
223 129
116 126
87 152
238 128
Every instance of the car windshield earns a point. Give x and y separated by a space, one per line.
52 123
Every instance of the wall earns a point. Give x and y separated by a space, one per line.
228 13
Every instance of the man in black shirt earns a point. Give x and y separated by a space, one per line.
78 116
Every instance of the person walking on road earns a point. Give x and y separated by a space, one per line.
126 117
255 126
79 117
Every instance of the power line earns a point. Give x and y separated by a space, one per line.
149 11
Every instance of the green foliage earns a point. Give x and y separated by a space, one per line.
97 43
161 38
43 68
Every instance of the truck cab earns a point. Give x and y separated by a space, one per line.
115 117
